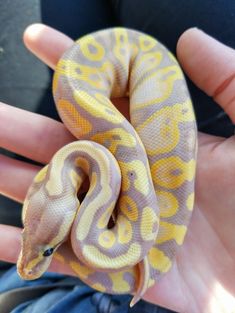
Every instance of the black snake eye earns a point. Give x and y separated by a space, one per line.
48 252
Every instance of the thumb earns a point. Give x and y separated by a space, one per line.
211 66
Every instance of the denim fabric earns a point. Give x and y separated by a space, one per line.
71 295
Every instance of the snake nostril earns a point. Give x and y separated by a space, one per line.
28 272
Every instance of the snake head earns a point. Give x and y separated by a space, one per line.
35 257
47 222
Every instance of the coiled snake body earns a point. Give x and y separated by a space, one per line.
141 173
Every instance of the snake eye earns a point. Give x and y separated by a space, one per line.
48 252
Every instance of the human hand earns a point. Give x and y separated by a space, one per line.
201 279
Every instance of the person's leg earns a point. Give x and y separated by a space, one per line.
166 20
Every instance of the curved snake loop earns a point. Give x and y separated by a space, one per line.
141 173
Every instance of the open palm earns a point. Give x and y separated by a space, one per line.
202 277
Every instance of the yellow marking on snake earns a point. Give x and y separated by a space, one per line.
41 175
76 178
129 208
92 49
190 201
115 262
169 203
118 281
124 230
146 43
104 219
148 221
158 260
59 257
163 80
140 172
172 172
107 239
82 271
73 117
115 138
99 286
87 218
171 231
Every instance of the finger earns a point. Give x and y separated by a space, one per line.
15 177
46 43
211 65
10 246
12 239
31 135
49 44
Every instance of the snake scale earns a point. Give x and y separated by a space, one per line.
126 231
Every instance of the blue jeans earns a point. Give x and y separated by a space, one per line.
56 293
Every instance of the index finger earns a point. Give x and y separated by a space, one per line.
26 133
46 43
211 66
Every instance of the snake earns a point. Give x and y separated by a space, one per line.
123 236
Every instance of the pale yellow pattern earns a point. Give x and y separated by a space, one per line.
83 163
141 173
59 257
118 282
102 261
54 184
121 49
124 230
99 286
104 219
129 208
24 209
92 49
151 283
41 175
163 79
68 220
158 260
82 271
72 117
86 220
190 201
146 43
76 178
96 108
172 172
149 219
115 138
171 231
164 126
147 62
107 239
168 202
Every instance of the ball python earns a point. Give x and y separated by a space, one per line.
126 231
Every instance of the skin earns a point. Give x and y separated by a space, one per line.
202 277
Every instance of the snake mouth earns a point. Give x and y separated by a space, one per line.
26 273
32 273
30 268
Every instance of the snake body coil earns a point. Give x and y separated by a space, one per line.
141 173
